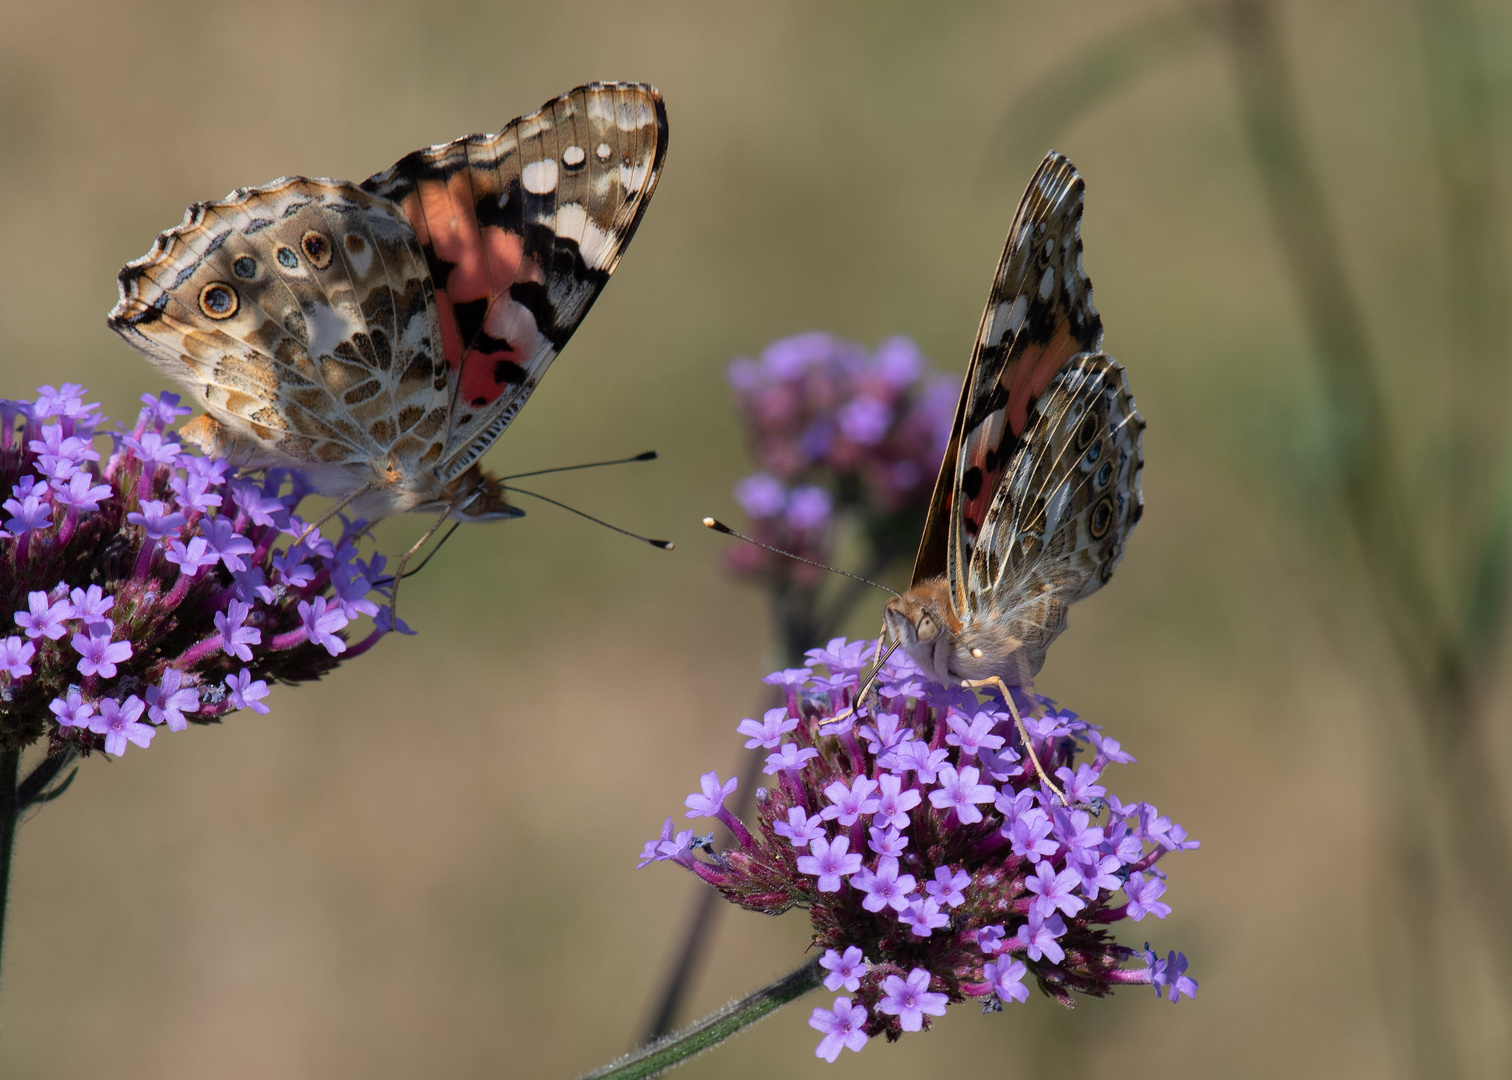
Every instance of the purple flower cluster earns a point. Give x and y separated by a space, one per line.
835 428
933 867
155 588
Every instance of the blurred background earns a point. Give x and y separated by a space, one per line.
424 865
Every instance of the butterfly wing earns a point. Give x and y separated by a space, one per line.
300 316
1039 315
521 231
1057 523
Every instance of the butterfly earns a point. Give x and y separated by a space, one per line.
379 337
1039 487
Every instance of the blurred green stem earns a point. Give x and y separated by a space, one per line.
1464 132
1431 650
1310 246
662 1055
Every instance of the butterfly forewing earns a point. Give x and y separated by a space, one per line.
297 314
521 231
1038 315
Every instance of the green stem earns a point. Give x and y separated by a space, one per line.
658 1057
10 768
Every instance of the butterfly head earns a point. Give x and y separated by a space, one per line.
479 496
922 621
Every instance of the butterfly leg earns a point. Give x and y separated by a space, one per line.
997 683
403 562
333 511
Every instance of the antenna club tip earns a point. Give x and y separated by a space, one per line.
649 455
716 525
665 545
977 653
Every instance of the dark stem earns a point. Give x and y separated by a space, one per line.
10 810
701 923
800 625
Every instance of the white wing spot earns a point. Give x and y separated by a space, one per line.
539 177
530 128
1057 508
1047 283
573 156
604 151
1049 246
629 115
634 178
1017 312
601 108
1006 317
594 244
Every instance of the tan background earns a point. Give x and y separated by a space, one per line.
424 866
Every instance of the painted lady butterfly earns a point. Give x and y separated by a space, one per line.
1040 483
380 336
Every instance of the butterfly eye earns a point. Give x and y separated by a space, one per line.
1105 474
316 248
245 267
1102 517
218 300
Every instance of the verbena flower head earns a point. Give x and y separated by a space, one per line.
933 867
838 430
149 587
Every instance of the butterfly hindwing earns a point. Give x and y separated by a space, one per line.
1057 523
521 231
298 314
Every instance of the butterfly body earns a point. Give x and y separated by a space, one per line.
1040 483
380 336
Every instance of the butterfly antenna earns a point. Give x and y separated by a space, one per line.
665 545
649 455
720 527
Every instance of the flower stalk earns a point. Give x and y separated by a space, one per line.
661 1055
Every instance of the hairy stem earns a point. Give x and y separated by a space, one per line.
714 1029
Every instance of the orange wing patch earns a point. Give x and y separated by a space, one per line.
486 338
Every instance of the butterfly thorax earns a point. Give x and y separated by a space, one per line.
981 646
